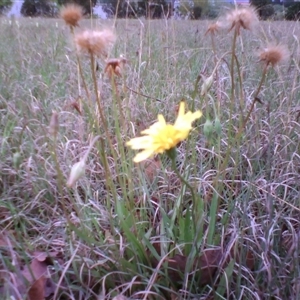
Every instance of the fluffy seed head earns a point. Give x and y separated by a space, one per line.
273 55
95 42
242 18
71 14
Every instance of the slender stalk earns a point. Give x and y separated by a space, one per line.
117 97
253 101
183 180
213 43
232 68
241 129
60 179
81 71
232 91
93 68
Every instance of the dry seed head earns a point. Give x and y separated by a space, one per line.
213 28
76 106
273 55
71 14
242 18
95 42
114 66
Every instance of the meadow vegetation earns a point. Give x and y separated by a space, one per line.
79 219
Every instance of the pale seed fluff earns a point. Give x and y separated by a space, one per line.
273 55
71 14
242 18
95 42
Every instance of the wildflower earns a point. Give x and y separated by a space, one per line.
242 18
272 55
161 136
95 42
114 66
71 14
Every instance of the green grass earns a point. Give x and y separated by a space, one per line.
125 228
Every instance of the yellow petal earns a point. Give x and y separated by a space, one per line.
143 155
187 119
156 127
183 134
196 115
142 142
161 120
181 108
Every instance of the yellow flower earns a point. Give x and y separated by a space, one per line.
161 136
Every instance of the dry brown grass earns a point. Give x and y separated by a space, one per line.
105 233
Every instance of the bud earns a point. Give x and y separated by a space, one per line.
53 127
77 171
208 128
218 126
16 160
206 85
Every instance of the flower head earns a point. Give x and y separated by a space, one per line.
213 28
161 136
272 55
242 18
95 42
72 14
114 66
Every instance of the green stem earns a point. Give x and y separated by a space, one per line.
253 102
118 99
98 101
232 68
241 129
183 180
